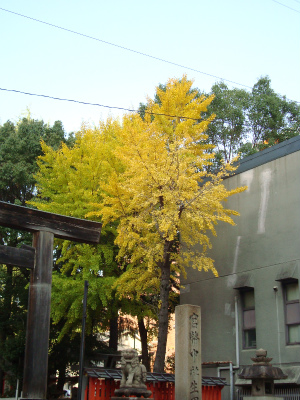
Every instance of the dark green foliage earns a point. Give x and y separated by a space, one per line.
228 131
19 148
13 307
64 354
272 118
246 122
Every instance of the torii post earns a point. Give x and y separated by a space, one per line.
44 226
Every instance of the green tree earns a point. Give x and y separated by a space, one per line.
13 307
70 183
271 117
19 147
248 122
228 130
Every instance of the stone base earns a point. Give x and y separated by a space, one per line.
130 398
265 397
125 392
30 398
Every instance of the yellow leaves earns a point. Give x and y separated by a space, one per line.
179 111
158 196
146 174
177 99
136 280
71 179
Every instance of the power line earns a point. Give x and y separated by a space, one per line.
96 104
275 1
134 51
123 48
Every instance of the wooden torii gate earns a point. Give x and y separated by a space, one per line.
39 258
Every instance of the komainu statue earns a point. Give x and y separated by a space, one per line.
134 376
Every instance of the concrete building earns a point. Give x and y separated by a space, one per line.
254 303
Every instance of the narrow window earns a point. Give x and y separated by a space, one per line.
249 325
292 313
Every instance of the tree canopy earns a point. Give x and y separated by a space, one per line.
247 122
69 183
148 179
19 147
164 207
144 179
272 118
228 131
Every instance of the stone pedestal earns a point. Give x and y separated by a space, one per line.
129 398
265 397
188 374
125 392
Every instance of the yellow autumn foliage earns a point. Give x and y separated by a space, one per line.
162 193
69 180
150 178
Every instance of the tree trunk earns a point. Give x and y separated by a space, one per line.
1 382
163 312
144 342
113 330
4 333
7 301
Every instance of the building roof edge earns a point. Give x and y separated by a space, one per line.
270 154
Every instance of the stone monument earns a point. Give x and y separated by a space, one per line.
134 377
188 374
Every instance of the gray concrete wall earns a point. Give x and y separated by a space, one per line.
264 242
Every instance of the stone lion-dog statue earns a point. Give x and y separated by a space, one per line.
134 376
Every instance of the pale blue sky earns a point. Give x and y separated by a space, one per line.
237 40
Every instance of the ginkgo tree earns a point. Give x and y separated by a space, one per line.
164 199
69 183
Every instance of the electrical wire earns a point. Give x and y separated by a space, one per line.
275 1
97 105
131 50
123 48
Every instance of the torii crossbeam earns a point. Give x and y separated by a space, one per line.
44 226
